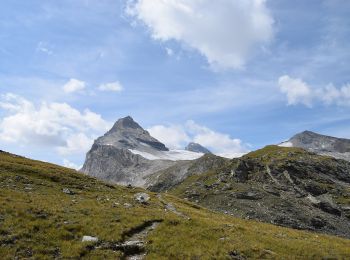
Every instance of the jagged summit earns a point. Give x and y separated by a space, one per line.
321 144
197 148
126 122
127 134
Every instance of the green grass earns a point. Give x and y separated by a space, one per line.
39 221
274 153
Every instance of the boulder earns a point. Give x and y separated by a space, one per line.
248 195
89 239
68 191
142 197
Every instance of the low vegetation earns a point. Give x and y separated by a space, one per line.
45 210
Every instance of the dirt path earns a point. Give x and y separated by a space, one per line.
133 245
170 207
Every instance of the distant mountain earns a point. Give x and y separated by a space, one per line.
197 148
321 144
128 154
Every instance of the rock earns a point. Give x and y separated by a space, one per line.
314 188
142 198
127 205
248 195
68 191
329 208
317 222
131 247
236 255
89 239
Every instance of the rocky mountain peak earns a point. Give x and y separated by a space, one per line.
197 148
127 134
125 123
321 144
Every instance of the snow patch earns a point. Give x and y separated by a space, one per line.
172 155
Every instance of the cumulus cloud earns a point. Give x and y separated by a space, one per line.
76 144
74 85
113 86
69 164
223 31
296 90
173 136
332 95
177 136
55 125
299 92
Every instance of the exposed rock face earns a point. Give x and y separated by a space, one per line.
118 165
326 145
197 148
127 134
111 159
284 186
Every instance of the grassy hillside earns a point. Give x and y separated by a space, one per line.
45 210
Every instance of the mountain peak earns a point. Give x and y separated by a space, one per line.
126 122
321 144
127 134
197 148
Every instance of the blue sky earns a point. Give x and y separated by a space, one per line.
234 75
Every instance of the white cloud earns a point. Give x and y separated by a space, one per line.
113 86
173 136
178 136
332 95
223 31
169 51
44 47
298 91
69 164
76 144
55 125
219 143
74 85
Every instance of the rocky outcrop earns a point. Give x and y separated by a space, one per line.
283 186
321 144
167 178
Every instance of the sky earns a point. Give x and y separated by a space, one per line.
233 75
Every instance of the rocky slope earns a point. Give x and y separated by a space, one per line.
50 212
326 145
284 186
128 154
